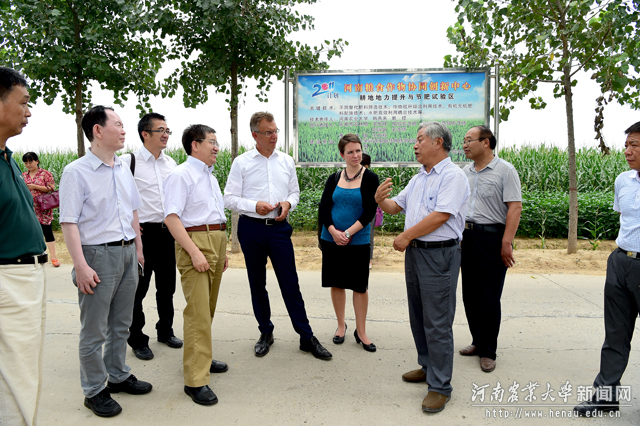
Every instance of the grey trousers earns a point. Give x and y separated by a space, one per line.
432 279
105 316
621 301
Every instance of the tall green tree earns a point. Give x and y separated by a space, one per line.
550 41
223 43
64 46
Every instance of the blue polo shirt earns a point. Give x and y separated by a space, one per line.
20 231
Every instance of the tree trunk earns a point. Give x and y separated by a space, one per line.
233 107
79 114
572 246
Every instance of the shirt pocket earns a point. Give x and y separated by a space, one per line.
487 189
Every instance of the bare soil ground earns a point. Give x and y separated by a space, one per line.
531 257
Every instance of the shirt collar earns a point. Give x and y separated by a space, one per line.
254 153
199 165
492 164
146 154
438 167
95 162
8 152
634 174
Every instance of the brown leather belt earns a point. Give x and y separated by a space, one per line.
202 228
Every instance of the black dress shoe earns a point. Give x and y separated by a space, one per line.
595 406
218 366
103 405
202 395
130 385
144 354
263 343
172 342
312 345
338 340
368 348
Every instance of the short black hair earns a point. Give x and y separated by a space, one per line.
635 128
96 115
145 123
30 156
9 78
486 133
192 133
366 160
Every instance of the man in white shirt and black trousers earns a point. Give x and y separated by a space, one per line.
150 167
263 187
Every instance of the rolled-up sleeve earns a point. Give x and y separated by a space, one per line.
233 191
294 189
71 197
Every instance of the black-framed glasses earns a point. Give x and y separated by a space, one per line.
269 134
213 141
160 130
467 142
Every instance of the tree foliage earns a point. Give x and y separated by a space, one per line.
550 41
65 46
222 43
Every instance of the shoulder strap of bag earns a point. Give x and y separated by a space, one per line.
133 163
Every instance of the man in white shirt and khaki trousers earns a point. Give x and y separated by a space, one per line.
195 216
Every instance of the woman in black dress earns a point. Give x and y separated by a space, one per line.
346 209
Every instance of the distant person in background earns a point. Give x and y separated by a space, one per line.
621 291
40 181
150 167
491 224
366 161
22 279
346 208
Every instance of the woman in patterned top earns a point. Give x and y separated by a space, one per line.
40 181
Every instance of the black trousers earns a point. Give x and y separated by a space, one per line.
621 301
159 258
259 241
483 274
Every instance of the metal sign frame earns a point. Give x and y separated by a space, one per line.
296 75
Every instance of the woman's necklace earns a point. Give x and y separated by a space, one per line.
356 176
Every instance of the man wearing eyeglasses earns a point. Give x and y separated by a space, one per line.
487 252
194 213
150 167
435 203
99 205
263 187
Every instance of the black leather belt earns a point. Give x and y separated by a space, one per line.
153 225
433 244
122 243
498 229
26 260
263 221
632 254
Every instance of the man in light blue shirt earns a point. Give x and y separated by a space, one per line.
621 290
99 219
435 203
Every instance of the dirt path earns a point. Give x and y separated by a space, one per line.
530 258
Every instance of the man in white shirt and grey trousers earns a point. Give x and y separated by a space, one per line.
263 186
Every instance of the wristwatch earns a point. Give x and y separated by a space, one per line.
347 234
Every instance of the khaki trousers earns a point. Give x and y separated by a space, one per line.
201 293
22 319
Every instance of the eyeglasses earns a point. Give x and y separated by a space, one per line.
212 141
468 141
160 130
269 134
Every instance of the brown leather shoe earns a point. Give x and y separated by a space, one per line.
487 364
415 376
434 402
468 351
